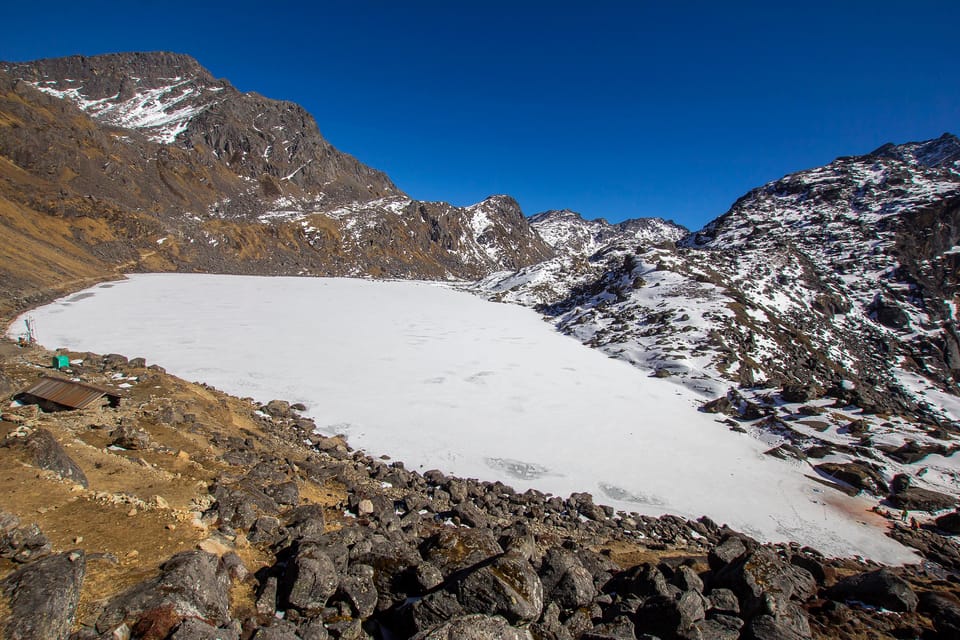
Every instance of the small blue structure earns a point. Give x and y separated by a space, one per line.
61 362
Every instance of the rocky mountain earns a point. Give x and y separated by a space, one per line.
568 233
145 161
818 314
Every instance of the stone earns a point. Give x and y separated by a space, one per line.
943 611
45 452
686 579
193 583
787 625
726 552
858 475
196 629
474 627
357 589
949 522
920 499
309 580
278 408
764 583
455 549
723 602
43 597
128 437
665 617
306 522
565 580
508 586
881 588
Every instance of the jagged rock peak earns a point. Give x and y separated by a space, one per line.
939 152
568 232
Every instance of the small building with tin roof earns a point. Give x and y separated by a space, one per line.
59 394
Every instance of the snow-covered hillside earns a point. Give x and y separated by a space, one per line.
568 233
825 302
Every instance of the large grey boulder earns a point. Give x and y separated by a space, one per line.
191 583
310 579
43 597
565 580
474 627
880 588
45 452
508 586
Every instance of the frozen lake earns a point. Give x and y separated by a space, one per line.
442 379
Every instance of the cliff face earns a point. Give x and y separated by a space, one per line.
146 162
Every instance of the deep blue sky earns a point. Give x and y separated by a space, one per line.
614 109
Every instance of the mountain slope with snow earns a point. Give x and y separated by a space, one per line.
195 174
819 312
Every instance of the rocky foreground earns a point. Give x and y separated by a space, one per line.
186 513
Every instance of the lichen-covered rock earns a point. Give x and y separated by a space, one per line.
881 588
193 583
474 627
43 597
508 586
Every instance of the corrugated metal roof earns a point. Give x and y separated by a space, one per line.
76 395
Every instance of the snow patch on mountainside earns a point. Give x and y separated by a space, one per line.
161 113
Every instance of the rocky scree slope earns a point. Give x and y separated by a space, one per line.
820 308
185 513
145 161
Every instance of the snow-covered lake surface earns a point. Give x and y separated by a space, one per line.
442 379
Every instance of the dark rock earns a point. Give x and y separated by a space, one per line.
358 590
644 580
726 552
723 602
507 586
309 580
346 629
920 499
470 515
455 549
45 452
474 627
565 580
949 522
43 597
278 408
196 629
128 437
686 579
666 617
306 522
193 583
313 629
427 576
790 624
719 405
264 529
944 612
880 588
433 609
764 583
266 602
798 393
284 493
278 630
716 629
21 544
856 474
620 628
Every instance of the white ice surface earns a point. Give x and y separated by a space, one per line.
443 379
